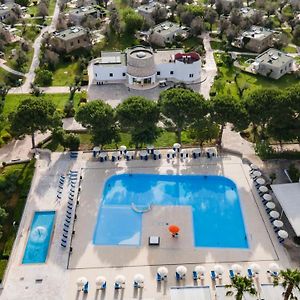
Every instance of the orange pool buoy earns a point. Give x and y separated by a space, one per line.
174 229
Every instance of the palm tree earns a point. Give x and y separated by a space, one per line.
240 285
290 279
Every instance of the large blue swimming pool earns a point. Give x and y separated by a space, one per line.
39 237
214 200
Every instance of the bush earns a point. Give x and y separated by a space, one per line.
6 137
69 109
71 141
264 150
43 77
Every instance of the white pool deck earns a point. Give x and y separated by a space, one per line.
60 272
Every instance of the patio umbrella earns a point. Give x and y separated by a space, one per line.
81 281
176 146
100 280
162 271
236 268
103 154
139 278
150 147
200 269
143 153
283 234
120 279
274 214
171 152
96 149
115 154
263 189
254 167
183 151
219 269
196 151
267 197
260 181
278 223
181 270
270 205
255 268
174 229
156 152
122 148
256 174
274 267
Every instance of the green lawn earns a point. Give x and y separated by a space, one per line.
13 198
120 43
226 85
289 49
12 101
65 74
166 139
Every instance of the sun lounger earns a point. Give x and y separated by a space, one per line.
63 245
58 196
69 207
68 221
249 273
158 277
66 225
65 230
195 275
85 288
65 236
68 217
213 275
231 274
63 240
178 277
69 213
118 286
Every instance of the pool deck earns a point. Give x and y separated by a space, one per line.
61 271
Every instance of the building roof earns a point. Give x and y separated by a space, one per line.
71 33
273 57
5 8
247 12
257 32
288 195
84 10
166 28
164 56
111 58
148 8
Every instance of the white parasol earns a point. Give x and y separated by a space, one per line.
278 223
162 271
219 269
267 197
263 189
274 214
255 268
283 234
181 270
270 205
139 278
260 181
236 268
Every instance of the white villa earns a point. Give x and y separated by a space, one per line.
142 67
273 63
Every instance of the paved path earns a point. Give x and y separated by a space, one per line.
25 88
210 67
8 69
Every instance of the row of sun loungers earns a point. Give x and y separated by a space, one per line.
60 187
266 197
69 211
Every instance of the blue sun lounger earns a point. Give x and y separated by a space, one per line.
85 288
250 273
213 275
231 274
195 275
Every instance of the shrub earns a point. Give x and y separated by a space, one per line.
71 141
294 173
43 77
6 137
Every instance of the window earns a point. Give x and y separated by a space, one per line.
171 72
111 75
191 75
71 44
78 41
158 73
95 74
281 71
124 74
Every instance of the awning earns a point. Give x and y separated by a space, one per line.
288 195
190 293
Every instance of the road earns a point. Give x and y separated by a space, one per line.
29 77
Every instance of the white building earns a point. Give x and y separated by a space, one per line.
143 68
273 63
146 10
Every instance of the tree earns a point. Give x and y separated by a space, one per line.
34 114
290 280
71 141
4 89
35 90
180 107
296 33
3 216
43 77
100 120
211 16
133 21
240 285
21 59
226 109
159 14
197 26
42 10
115 24
139 116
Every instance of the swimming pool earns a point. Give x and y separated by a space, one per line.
214 200
39 237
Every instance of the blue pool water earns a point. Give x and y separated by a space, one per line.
214 200
39 237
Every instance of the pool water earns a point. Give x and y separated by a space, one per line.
214 201
39 237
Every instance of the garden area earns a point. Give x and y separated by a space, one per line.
15 181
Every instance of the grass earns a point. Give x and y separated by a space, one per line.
226 85
13 203
13 100
65 73
114 42
166 139
289 49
